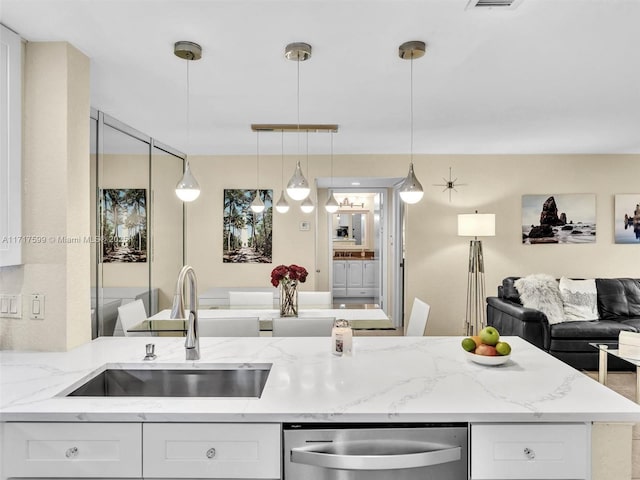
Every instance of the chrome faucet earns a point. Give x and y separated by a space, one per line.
192 342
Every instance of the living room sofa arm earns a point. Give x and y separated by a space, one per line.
511 318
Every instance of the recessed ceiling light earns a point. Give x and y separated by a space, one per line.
355 184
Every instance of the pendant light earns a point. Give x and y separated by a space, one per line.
411 190
282 206
257 206
332 204
187 188
307 205
298 186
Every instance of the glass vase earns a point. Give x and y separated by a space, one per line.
289 299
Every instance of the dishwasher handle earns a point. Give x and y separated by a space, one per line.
307 456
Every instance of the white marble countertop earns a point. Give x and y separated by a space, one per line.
388 379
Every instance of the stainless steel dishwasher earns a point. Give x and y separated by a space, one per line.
375 451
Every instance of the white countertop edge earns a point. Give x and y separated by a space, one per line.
316 418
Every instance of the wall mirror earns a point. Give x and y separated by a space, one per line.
349 230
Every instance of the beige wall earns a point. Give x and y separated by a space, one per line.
436 256
55 201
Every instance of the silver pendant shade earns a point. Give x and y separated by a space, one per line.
298 187
411 190
187 189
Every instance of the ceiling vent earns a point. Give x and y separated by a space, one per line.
489 4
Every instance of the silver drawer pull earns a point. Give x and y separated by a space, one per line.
211 453
71 452
529 453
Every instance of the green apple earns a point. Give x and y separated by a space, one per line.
489 336
468 344
503 348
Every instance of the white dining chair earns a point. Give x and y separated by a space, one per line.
315 299
251 299
302 327
418 319
229 327
129 315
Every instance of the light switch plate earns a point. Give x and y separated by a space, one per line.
36 306
10 306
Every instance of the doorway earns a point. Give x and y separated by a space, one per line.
386 221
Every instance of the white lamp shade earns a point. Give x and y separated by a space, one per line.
411 189
187 188
298 187
282 206
477 225
332 205
307 205
257 205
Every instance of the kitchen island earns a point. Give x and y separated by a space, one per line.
386 380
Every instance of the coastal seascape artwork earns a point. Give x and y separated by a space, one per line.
559 218
247 236
124 225
627 218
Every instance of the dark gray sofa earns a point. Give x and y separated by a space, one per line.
618 308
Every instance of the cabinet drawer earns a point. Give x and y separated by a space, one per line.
73 450
530 451
224 450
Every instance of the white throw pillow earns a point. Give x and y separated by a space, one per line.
540 291
580 299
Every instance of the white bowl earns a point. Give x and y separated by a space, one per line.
487 360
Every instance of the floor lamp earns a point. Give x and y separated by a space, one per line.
476 225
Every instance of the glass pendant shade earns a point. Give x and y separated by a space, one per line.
282 206
298 187
307 205
257 205
411 190
332 204
187 188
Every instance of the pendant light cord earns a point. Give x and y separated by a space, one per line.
298 98
258 162
282 160
411 107
331 161
188 115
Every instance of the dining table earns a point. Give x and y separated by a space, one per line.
359 318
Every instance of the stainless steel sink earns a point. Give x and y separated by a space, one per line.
231 381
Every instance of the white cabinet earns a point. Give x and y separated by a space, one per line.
68 450
370 275
339 278
136 450
11 151
530 451
355 278
354 275
225 450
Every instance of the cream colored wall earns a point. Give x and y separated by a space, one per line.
205 226
437 258
55 201
166 226
436 267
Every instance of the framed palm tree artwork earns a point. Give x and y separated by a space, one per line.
124 225
247 235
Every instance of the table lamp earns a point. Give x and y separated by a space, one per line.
476 225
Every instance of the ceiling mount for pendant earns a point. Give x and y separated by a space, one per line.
187 50
412 49
297 51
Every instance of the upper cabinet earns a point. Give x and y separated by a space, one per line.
10 148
